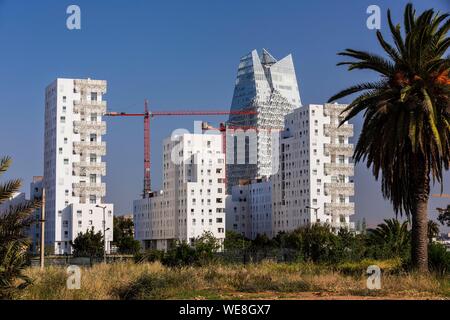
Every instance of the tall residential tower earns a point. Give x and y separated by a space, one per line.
314 183
269 87
73 166
193 197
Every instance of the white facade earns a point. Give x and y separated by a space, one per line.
269 87
249 208
314 182
193 197
35 229
73 166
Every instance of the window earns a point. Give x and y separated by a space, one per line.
91 211
93 117
65 223
90 222
93 157
93 96
341 159
80 224
219 220
93 178
62 119
93 137
66 234
60 150
92 199
341 139
66 161
64 109
64 99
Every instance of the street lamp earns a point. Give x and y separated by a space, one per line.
315 210
104 232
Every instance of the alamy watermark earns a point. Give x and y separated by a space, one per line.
73 21
241 146
374 20
73 281
374 277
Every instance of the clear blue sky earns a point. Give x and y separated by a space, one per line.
180 55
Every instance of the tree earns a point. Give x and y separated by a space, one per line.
406 130
205 247
391 236
433 230
124 235
235 241
88 244
13 241
444 216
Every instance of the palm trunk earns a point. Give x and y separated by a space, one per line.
419 239
419 245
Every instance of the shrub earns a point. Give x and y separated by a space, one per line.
151 255
360 267
438 258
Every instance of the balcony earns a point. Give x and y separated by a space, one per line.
90 85
335 130
339 148
87 168
343 225
89 126
340 188
339 168
333 109
87 147
335 209
86 189
88 106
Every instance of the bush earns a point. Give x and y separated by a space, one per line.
360 267
438 258
151 255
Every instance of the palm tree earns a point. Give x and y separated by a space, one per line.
406 129
391 234
14 244
433 230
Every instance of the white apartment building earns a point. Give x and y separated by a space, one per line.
314 182
249 208
34 232
192 200
73 166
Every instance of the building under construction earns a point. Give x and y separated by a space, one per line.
270 88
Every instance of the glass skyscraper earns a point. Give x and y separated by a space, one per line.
269 87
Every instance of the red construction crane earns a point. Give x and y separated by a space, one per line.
147 143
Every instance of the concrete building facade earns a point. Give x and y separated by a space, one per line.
73 166
249 208
192 200
314 183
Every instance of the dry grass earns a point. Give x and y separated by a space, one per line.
126 280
